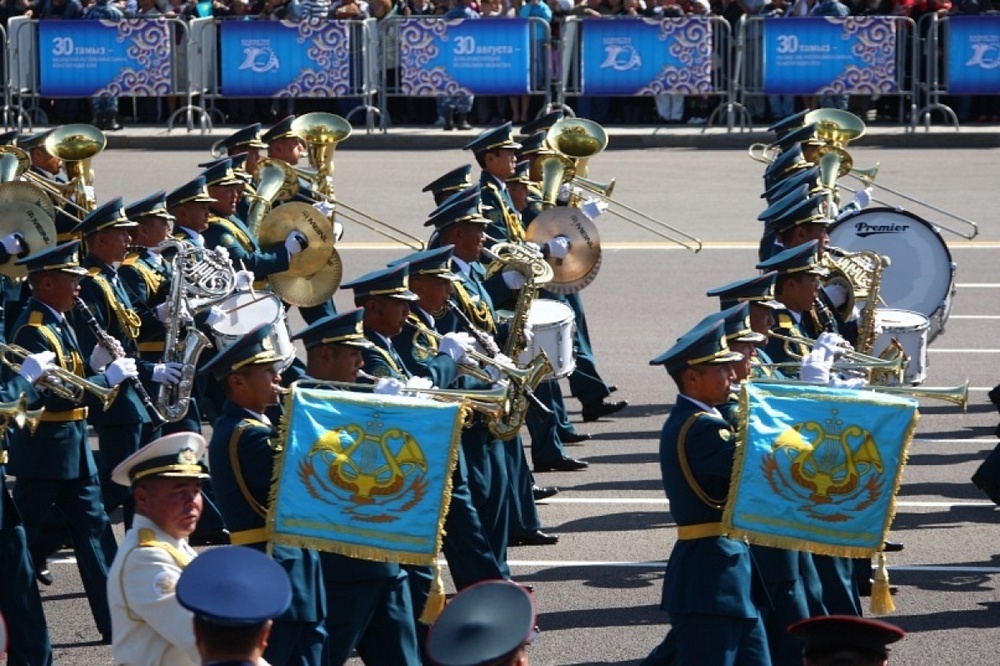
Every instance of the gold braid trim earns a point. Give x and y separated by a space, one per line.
237 233
480 313
234 461
686 468
127 319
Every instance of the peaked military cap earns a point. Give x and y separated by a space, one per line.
107 215
831 634
700 345
784 165
454 180
783 186
758 289
248 137
194 191
534 144
179 455
234 586
254 348
459 208
798 136
492 139
807 211
521 173
795 195
799 259
64 258
9 138
736 324
435 262
392 282
789 123
483 624
36 140
155 205
280 130
221 174
543 123
346 328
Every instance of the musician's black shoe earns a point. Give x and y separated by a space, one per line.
219 537
105 638
543 492
574 437
891 546
612 388
533 538
562 465
594 411
42 573
994 396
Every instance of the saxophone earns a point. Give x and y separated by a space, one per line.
197 273
861 272
536 272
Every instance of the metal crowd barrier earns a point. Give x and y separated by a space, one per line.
806 45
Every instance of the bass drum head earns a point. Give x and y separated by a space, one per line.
921 274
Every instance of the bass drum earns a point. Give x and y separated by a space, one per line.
921 273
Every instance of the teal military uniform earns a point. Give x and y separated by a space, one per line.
241 459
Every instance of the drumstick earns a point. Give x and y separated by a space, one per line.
247 304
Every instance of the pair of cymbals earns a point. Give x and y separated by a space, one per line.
583 261
314 273
26 209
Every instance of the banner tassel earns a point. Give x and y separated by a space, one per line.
435 599
881 603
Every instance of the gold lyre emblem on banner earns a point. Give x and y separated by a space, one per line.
378 471
828 469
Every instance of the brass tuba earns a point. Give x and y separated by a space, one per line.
321 132
76 145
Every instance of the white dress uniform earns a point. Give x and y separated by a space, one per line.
148 626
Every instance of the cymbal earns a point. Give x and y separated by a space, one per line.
309 290
580 266
37 228
24 192
301 217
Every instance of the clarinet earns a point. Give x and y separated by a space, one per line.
108 342
484 339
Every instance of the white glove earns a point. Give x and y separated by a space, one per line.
419 383
558 247
215 316
338 231
120 370
847 382
832 344
594 208
564 191
512 279
878 327
35 365
389 386
101 356
223 253
244 280
164 314
13 243
326 208
837 294
815 368
295 243
863 197
457 346
89 192
167 373
529 335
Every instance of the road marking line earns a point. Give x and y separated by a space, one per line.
665 245
990 317
963 351
661 501
978 285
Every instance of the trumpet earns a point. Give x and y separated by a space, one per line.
854 360
16 413
59 381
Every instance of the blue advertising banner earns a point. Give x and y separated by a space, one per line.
464 57
973 63
826 56
84 58
647 56
285 59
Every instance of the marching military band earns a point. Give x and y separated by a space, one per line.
126 298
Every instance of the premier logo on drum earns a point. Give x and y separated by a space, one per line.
864 229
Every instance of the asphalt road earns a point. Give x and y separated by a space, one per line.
598 590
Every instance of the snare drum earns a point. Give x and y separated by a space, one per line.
921 275
552 327
910 329
246 311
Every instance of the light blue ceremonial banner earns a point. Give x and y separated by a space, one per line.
464 57
825 56
973 60
364 475
285 59
817 468
83 58
646 56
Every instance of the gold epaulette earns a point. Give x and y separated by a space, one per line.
130 259
785 320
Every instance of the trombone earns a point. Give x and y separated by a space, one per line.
59 381
958 395
573 141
